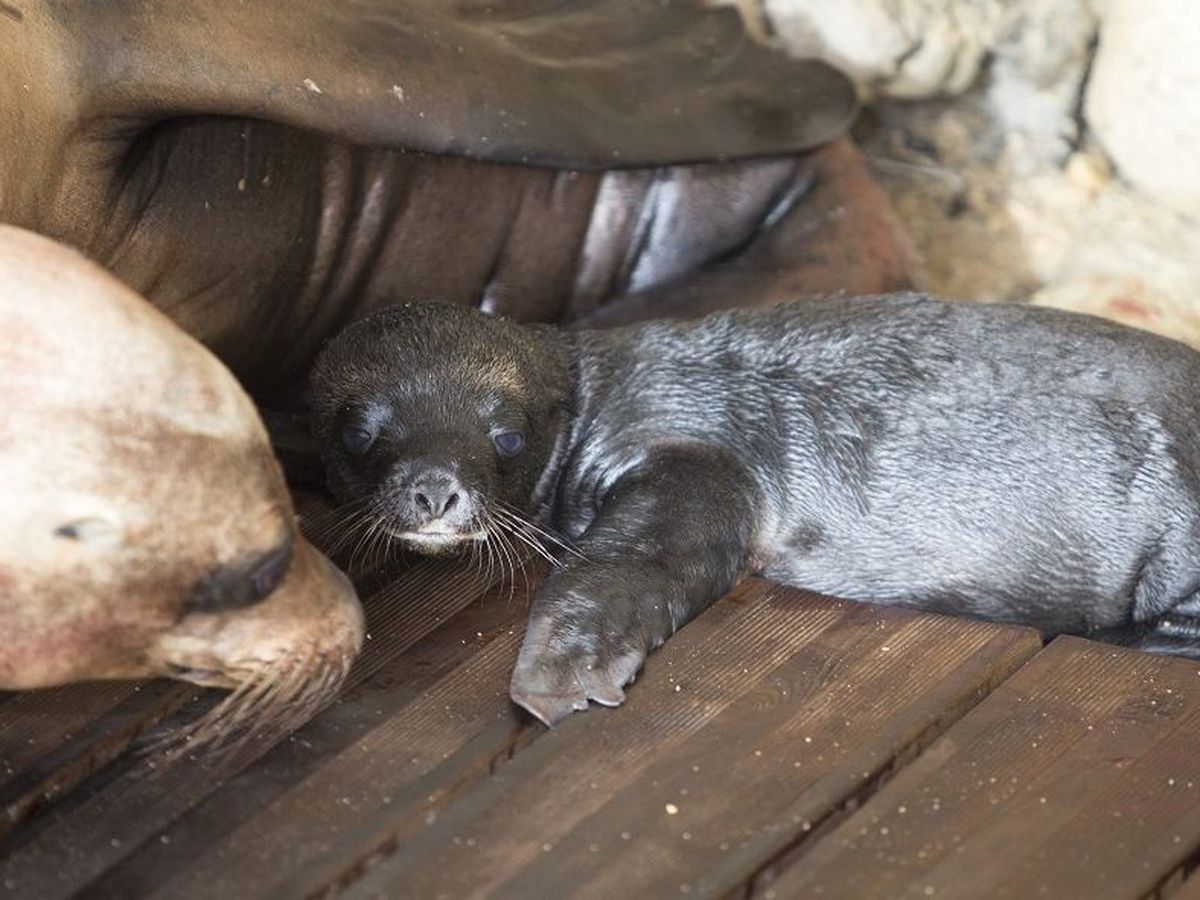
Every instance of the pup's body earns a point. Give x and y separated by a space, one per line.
1015 463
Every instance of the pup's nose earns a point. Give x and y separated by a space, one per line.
435 493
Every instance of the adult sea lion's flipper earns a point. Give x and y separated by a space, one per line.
828 228
587 83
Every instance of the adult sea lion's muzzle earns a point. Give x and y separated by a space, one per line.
284 658
311 622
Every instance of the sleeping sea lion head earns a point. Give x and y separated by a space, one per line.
145 527
437 423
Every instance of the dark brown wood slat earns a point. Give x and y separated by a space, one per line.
422 756
35 722
1080 776
59 768
388 830
90 838
757 721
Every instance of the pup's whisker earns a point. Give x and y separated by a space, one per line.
542 532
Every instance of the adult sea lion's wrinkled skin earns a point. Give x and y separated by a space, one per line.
267 172
146 528
1014 463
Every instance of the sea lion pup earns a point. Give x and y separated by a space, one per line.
145 528
1014 463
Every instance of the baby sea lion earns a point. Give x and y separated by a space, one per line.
1019 464
145 528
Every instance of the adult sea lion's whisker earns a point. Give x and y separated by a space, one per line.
259 712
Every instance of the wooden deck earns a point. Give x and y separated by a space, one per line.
782 745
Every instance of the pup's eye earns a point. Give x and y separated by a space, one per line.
357 440
509 443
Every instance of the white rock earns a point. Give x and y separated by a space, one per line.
1126 299
1040 54
1000 194
1143 99
922 48
900 48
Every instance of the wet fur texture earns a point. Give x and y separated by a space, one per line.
1013 463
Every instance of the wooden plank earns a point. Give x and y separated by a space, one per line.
1079 777
75 848
446 737
756 723
35 722
99 723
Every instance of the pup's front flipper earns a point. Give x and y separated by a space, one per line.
670 538
557 673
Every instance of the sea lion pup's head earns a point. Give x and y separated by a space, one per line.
438 422
145 528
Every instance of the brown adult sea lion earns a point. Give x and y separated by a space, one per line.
267 172
146 528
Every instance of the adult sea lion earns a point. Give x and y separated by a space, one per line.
267 172
1016 463
146 528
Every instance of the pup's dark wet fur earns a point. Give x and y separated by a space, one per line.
1009 462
